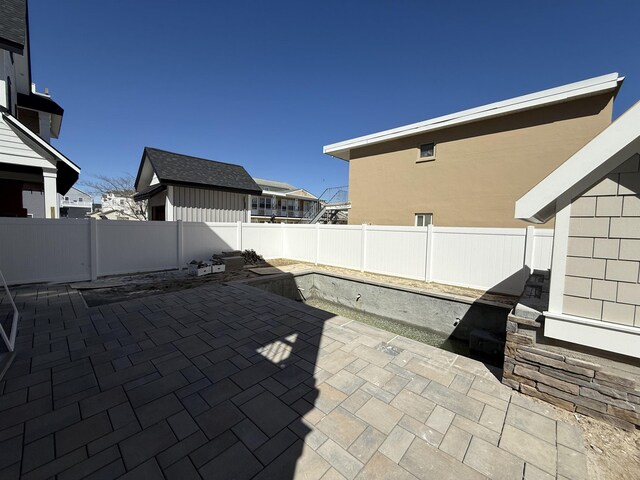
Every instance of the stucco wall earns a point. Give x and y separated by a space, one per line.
479 171
603 264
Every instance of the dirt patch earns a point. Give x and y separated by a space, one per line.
612 453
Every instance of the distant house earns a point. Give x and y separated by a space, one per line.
182 187
75 204
120 203
112 214
32 172
594 297
282 202
467 169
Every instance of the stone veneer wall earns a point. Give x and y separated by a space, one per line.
603 264
557 375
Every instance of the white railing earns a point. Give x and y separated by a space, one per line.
73 250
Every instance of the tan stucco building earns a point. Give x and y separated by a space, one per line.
469 168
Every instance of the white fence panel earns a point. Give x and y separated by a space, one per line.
201 240
33 250
38 250
399 251
300 242
129 247
483 258
265 238
542 249
340 245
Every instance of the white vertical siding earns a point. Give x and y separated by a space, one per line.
203 205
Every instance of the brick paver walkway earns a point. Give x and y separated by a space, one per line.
225 382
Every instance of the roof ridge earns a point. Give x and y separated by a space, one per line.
191 156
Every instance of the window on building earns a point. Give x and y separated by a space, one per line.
267 203
424 219
66 199
122 201
427 150
254 203
79 199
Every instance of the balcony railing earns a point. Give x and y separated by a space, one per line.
267 212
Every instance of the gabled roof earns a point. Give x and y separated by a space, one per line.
607 151
572 91
178 169
269 184
13 25
68 172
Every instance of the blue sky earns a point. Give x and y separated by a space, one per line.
267 84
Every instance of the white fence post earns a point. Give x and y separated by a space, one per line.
283 241
93 242
180 232
317 242
239 236
363 246
529 248
428 267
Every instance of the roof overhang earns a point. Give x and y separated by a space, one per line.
572 91
43 103
149 192
68 172
611 148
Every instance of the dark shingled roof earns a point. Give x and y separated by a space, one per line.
175 168
13 25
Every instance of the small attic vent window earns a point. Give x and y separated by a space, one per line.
428 150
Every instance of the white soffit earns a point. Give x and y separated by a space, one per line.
609 149
572 91
11 120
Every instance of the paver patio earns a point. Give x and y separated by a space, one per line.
226 381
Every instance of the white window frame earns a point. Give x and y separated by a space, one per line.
426 158
427 219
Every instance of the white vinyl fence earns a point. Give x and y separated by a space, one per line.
64 250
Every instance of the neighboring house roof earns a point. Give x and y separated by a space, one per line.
175 168
13 25
612 147
269 184
68 172
79 191
572 91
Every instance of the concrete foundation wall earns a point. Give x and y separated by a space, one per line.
443 314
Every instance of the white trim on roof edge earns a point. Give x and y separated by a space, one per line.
40 142
572 91
609 149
